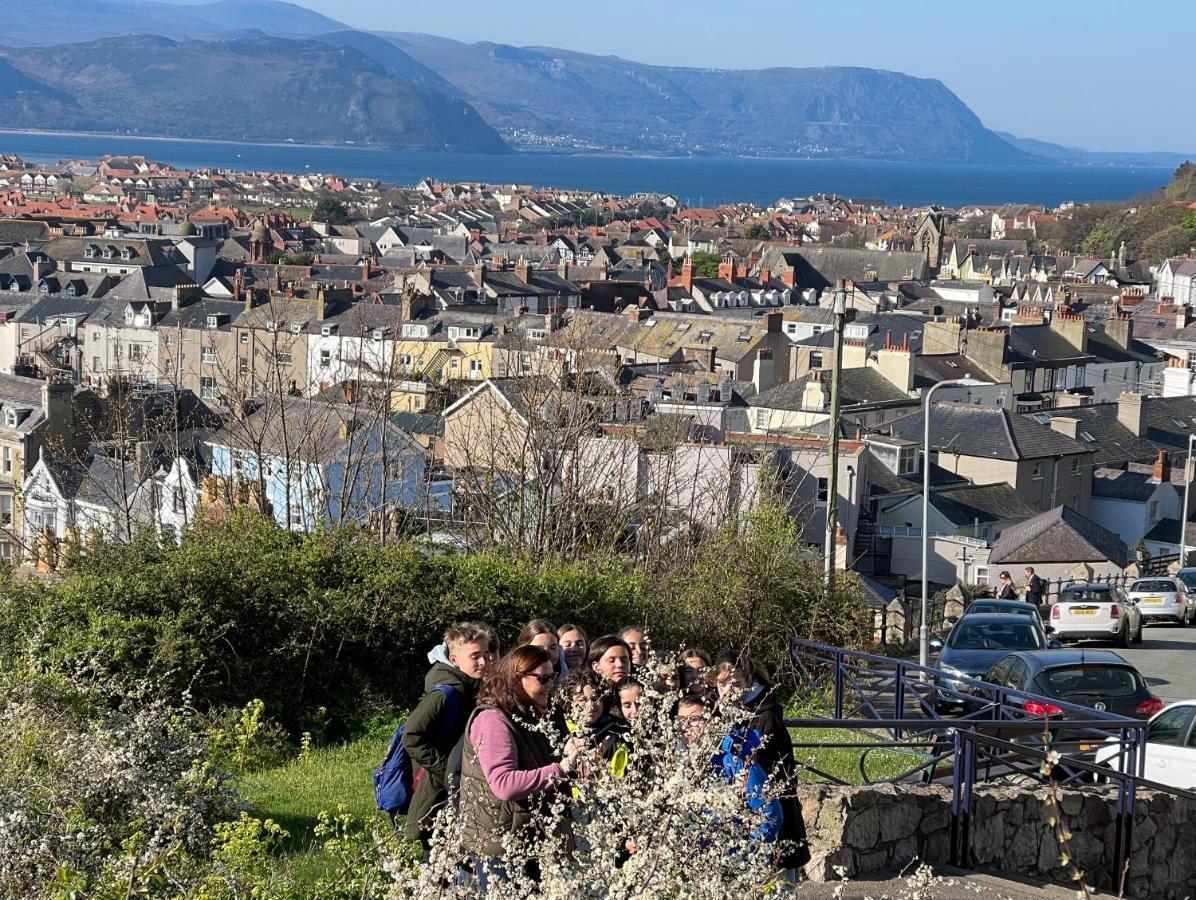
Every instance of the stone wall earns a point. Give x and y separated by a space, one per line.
884 828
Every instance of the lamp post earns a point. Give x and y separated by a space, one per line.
924 628
1183 513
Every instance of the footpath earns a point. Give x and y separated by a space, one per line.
950 884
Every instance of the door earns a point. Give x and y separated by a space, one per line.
1164 753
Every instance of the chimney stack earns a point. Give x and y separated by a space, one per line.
687 274
1072 328
1120 329
1162 468
1129 412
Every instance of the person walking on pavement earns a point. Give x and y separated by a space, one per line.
1005 589
1034 589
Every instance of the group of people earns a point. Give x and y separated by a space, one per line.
1035 589
506 737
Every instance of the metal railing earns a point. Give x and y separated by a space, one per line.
891 705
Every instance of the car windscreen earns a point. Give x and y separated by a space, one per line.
1156 585
1083 596
1011 635
1079 680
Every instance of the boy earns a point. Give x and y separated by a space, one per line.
436 724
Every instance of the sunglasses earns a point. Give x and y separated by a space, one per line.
543 679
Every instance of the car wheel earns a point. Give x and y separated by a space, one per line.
1124 639
1186 619
1138 636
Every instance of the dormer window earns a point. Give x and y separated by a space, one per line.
10 417
296 328
127 253
128 315
213 321
91 251
109 252
72 290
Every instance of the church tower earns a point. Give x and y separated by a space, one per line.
929 239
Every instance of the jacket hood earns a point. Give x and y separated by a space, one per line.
439 653
443 673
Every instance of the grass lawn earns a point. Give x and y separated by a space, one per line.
844 762
293 795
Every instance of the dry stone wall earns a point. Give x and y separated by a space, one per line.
885 828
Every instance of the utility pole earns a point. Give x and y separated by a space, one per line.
832 481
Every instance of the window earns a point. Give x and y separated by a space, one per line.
762 419
475 368
6 462
1154 510
6 510
981 575
295 515
207 355
816 360
207 387
405 362
283 357
1169 727
134 352
820 498
179 501
242 367
95 364
325 358
168 366
1048 380
1038 471
244 338
24 333
167 340
95 336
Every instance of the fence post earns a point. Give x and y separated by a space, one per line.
899 698
838 684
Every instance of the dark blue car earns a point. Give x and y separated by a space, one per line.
974 644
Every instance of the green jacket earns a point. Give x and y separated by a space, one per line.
429 744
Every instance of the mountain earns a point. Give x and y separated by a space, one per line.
40 22
547 98
388 55
1078 156
248 89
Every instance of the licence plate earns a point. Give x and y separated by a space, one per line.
1154 600
1083 612
1086 747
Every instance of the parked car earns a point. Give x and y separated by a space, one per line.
1188 577
977 641
1099 679
1162 600
1170 747
1100 611
1016 607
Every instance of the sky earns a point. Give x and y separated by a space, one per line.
1098 74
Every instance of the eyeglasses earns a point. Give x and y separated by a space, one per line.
691 721
543 679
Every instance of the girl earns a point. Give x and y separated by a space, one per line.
610 657
745 684
542 633
508 771
573 644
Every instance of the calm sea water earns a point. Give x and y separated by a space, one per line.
701 181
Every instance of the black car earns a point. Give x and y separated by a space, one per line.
974 644
1099 679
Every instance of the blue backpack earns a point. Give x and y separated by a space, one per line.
394 781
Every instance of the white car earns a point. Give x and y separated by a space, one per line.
1095 611
1170 747
1162 599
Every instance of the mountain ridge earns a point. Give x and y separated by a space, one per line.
267 89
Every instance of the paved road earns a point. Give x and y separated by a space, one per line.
951 884
1166 657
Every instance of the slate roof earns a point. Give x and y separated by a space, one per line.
987 503
856 387
18 231
1167 422
820 267
1166 531
882 481
1118 484
1060 535
986 431
1038 345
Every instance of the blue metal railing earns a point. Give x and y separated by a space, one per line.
869 693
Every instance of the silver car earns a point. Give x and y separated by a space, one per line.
1162 599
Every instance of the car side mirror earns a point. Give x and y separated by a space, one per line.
951 620
936 644
1054 645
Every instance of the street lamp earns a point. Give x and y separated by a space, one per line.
1183 513
924 629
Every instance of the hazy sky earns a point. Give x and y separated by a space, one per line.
1100 74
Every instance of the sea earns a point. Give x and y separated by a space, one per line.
697 181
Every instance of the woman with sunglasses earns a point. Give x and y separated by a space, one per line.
509 773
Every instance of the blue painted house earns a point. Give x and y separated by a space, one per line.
319 462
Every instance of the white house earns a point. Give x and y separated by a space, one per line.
1177 279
